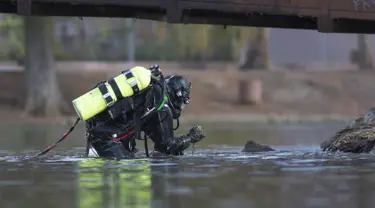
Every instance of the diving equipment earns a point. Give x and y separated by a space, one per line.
126 84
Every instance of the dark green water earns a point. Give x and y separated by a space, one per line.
297 175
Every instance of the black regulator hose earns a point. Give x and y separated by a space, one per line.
164 89
62 138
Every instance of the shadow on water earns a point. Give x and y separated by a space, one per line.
297 175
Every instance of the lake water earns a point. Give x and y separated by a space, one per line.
216 174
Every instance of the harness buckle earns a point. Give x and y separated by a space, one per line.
133 83
109 99
106 95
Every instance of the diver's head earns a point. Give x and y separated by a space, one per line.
178 89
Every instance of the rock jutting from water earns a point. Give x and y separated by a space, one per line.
252 146
357 137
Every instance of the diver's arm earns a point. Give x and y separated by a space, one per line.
173 145
182 142
160 130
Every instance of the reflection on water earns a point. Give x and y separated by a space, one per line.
222 179
105 184
216 175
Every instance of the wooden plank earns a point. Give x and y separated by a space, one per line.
322 15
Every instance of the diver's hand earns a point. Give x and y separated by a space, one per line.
175 146
196 134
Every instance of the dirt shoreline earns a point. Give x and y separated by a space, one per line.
15 117
299 96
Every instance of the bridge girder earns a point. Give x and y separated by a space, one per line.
328 16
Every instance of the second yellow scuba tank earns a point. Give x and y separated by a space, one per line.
106 94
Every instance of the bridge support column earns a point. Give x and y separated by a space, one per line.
325 23
174 13
24 7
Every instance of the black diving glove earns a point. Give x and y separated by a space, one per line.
179 144
196 134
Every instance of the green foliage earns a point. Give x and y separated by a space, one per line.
167 42
11 29
212 41
193 39
240 36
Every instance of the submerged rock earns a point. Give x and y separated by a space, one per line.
252 146
357 137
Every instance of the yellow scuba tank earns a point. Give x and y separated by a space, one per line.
105 95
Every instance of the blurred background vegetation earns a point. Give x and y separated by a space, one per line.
37 42
112 39
117 39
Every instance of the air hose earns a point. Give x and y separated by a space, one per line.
62 138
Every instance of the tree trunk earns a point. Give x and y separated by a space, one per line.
256 53
43 97
82 34
131 40
365 61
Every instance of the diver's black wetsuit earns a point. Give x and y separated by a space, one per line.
158 127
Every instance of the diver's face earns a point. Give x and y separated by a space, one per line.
180 93
180 104
183 99
183 106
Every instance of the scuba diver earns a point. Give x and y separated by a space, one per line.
112 133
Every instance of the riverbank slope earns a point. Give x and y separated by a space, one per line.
288 96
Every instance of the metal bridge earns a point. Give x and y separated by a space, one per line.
337 16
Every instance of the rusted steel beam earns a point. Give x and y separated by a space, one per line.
348 16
